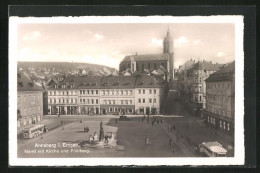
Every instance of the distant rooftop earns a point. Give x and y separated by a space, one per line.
225 73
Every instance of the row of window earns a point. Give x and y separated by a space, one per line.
88 92
113 102
28 98
117 92
223 124
31 111
144 91
115 109
217 111
218 98
218 85
88 101
149 100
149 66
104 92
62 100
62 93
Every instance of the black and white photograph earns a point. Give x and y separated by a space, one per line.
126 90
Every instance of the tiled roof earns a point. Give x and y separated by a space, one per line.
147 81
117 82
25 84
89 82
148 57
79 82
204 65
225 73
110 82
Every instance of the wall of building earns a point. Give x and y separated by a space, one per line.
219 110
63 102
118 99
30 104
147 99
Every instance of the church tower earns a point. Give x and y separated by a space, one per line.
168 48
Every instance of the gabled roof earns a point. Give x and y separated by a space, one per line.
79 82
25 84
147 81
148 57
224 74
204 65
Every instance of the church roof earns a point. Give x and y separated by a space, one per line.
147 57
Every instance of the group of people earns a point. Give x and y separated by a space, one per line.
94 138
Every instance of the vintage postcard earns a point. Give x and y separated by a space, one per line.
126 90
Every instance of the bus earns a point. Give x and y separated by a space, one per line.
212 149
34 131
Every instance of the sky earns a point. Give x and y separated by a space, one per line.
107 44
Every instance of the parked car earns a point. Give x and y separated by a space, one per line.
124 118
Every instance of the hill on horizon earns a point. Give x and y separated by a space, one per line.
66 66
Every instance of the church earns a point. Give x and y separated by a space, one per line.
152 62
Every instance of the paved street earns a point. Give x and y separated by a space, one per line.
130 134
188 132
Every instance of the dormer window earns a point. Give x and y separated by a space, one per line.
141 83
105 84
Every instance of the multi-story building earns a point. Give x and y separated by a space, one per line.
197 91
150 62
192 85
149 94
29 101
63 97
183 82
220 105
117 95
106 95
89 92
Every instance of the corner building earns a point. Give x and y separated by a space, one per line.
149 94
220 105
29 101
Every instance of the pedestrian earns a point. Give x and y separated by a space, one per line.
41 136
170 142
161 121
116 121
